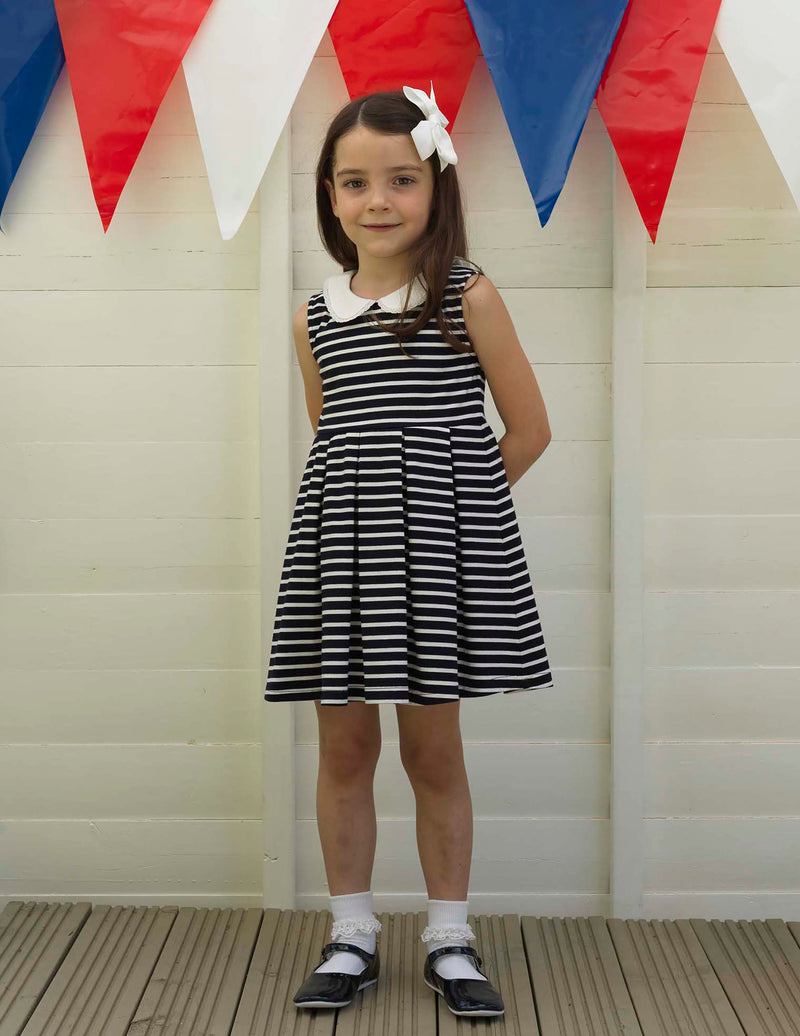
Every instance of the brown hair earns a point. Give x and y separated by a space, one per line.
444 240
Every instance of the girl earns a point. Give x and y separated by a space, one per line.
404 579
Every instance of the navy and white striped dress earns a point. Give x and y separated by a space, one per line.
404 578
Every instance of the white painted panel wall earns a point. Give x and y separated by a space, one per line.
129 551
538 763
722 710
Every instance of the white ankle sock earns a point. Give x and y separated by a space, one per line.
448 926
353 921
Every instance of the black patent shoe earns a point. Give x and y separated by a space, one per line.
475 997
337 988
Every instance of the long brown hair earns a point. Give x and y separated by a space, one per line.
444 240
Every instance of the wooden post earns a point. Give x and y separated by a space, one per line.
275 369
627 548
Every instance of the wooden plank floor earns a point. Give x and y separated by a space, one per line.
71 969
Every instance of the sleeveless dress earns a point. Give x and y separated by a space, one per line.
404 578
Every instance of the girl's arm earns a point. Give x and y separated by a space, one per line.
308 365
512 382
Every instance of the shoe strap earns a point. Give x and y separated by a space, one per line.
347 947
468 950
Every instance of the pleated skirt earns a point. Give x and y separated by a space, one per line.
404 578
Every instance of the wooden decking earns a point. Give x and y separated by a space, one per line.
69 968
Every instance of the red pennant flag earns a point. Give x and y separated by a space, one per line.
646 92
121 59
383 47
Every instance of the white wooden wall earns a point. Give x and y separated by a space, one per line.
722 496
131 570
130 759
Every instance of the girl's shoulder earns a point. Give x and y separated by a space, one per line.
316 317
462 272
316 307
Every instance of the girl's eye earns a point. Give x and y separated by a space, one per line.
409 178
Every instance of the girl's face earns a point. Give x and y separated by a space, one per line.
380 178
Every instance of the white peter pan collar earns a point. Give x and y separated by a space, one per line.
343 304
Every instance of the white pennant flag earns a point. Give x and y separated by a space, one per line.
761 40
243 71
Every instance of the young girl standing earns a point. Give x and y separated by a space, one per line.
404 579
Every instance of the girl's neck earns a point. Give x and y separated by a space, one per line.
372 282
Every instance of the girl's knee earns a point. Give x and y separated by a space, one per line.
349 741
349 759
434 767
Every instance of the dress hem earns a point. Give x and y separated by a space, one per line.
406 701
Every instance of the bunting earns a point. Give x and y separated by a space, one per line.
121 56
408 46
245 60
762 42
31 58
244 70
546 59
647 90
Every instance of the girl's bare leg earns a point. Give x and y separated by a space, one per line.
349 748
433 757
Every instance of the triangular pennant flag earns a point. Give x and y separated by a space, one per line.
243 72
31 58
121 59
762 44
385 48
546 59
647 89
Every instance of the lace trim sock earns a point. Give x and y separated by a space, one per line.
448 926
353 921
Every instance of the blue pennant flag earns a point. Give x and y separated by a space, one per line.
546 58
31 58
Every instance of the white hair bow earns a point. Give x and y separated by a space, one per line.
430 133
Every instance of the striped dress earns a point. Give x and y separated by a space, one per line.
404 578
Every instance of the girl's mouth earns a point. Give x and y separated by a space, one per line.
381 226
